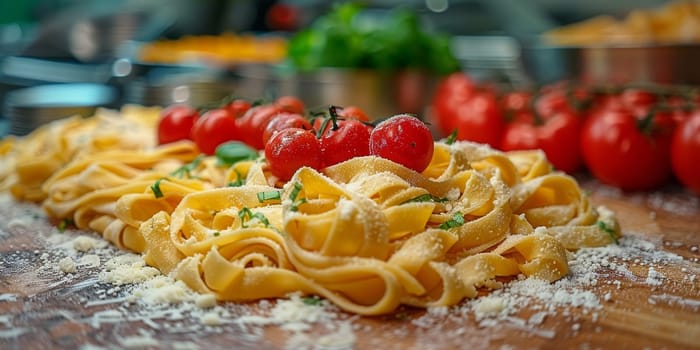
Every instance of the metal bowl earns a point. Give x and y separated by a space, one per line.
605 65
380 94
28 108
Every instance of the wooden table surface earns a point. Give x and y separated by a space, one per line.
650 299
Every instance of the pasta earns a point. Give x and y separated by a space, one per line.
367 234
675 22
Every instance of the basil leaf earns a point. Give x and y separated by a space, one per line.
232 152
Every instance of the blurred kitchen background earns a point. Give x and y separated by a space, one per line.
79 54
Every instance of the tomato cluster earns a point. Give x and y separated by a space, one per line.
290 139
632 138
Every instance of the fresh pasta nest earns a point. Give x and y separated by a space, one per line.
367 234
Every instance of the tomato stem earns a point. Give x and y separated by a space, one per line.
333 110
646 124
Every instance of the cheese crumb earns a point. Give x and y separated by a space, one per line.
489 306
211 319
90 260
127 268
205 301
84 243
67 265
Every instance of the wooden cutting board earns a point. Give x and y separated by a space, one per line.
649 299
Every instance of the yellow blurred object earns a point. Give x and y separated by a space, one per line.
223 49
674 23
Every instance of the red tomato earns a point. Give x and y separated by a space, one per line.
557 136
479 120
516 101
215 127
563 98
619 152
282 121
685 152
291 149
451 92
175 123
238 107
290 104
403 139
353 112
350 139
253 123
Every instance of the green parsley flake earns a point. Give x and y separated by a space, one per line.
456 221
187 169
603 226
64 224
313 300
426 198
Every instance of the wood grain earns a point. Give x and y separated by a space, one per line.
40 310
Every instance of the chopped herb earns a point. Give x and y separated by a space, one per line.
452 138
217 233
293 197
232 152
237 183
426 198
187 169
269 195
603 226
156 188
456 221
64 224
239 180
313 300
245 214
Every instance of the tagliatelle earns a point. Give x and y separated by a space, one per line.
367 234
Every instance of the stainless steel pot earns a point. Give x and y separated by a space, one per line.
380 94
28 108
606 65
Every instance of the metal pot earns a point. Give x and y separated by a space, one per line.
380 94
29 108
606 65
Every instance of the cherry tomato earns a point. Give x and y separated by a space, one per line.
562 97
282 121
253 123
685 152
551 100
175 123
451 92
557 136
290 104
215 127
516 101
638 98
621 150
353 112
479 119
403 139
238 107
350 139
290 149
